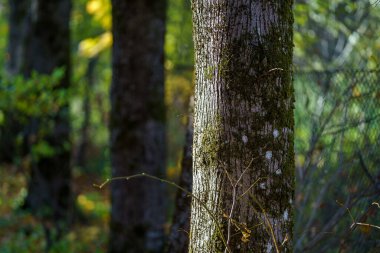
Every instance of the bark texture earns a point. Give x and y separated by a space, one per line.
243 168
40 41
179 234
138 126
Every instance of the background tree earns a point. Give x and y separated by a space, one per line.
39 41
137 126
83 145
17 25
243 170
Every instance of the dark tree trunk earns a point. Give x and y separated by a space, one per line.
179 233
137 126
40 41
18 27
243 169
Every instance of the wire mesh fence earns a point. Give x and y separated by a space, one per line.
337 137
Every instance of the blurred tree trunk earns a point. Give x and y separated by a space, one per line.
137 126
19 24
179 233
18 27
243 169
81 154
39 40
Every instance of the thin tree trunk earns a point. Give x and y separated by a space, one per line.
45 46
179 234
138 126
243 168
81 155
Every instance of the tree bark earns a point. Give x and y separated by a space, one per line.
39 41
243 168
179 233
137 126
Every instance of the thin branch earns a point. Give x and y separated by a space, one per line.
271 232
176 186
354 223
365 168
234 187
252 186
365 224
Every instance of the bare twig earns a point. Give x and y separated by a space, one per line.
365 225
365 168
271 232
234 187
354 223
176 186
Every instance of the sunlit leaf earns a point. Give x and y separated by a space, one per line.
93 46
93 6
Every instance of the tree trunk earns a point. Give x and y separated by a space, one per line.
19 24
40 41
137 126
243 169
18 27
81 154
179 233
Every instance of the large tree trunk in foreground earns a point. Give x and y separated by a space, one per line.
40 41
243 169
178 241
138 126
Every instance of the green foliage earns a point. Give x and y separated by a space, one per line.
178 40
179 78
91 23
3 31
337 118
21 232
42 149
329 34
25 101
36 96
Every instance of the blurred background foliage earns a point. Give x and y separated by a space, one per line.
332 152
333 34
337 155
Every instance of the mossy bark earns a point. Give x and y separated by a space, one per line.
243 168
137 126
39 40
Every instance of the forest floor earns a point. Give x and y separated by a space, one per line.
22 233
